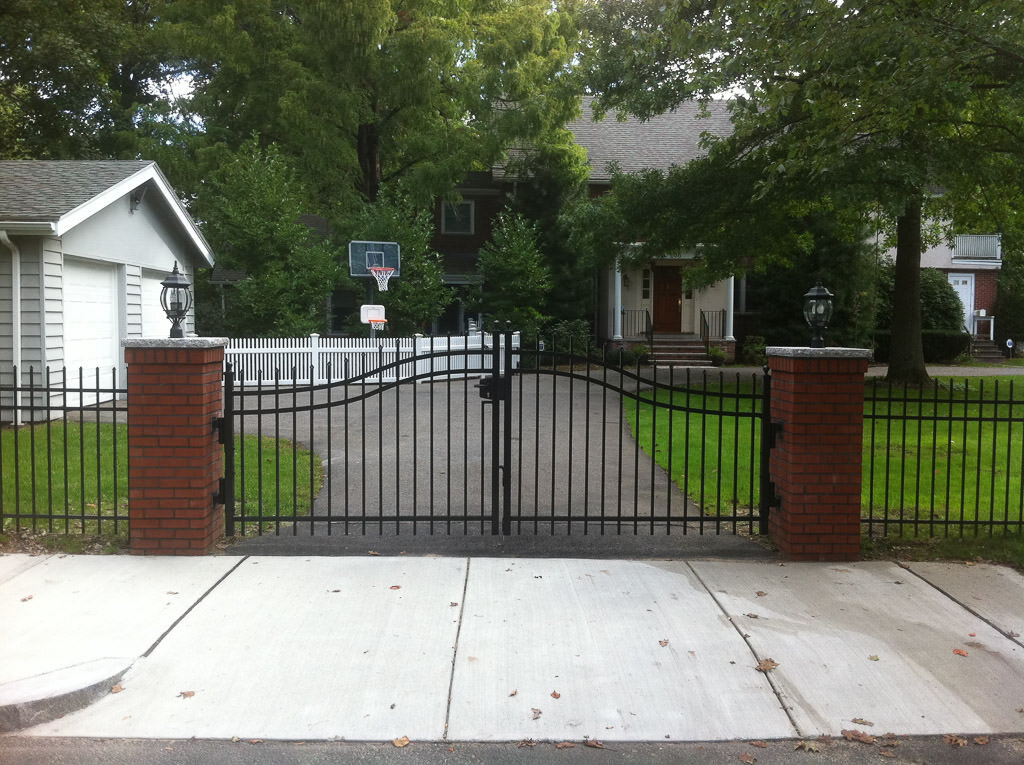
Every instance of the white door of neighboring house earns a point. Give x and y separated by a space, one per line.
90 322
964 286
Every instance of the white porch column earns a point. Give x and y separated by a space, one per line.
617 308
730 308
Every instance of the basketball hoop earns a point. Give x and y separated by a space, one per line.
381 274
377 325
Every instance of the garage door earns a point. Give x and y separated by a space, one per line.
90 321
154 320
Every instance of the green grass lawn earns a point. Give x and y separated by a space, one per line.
949 453
71 478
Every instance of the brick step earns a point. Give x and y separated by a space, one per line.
680 350
986 350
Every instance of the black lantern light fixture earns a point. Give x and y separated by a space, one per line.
818 312
176 299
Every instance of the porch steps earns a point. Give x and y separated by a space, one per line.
986 351
679 350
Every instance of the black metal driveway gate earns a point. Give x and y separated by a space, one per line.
496 440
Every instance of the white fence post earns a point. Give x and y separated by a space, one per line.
314 359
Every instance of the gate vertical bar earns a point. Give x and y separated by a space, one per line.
506 439
227 435
765 498
495 432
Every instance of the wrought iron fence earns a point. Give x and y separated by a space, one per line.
944 460
63 452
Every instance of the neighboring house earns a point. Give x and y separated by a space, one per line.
972 266
636 302
632 302
84 246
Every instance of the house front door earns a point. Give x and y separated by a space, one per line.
964 286
668 298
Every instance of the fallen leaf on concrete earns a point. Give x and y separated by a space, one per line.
806 746
536 713
401 742
886 753
748 758
959 651
858 735
172 592
873 657
862 721
565 745
26 599
395 587
593 743
981 740
759 744
372 552
556 695
186 694
972 634
117 688
954 740
751 616
761 593
255 741
766 665
526 742
515 692
663 643
975 644
453 604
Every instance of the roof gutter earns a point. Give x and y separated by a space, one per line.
16 347
27 227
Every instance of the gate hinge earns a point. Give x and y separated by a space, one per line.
218 426
218 496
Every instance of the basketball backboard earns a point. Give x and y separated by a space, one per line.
362 256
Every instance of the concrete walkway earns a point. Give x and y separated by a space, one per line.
505 649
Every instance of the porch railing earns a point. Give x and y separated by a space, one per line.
636 322
712 326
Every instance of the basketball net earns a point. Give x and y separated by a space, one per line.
382 274
378 324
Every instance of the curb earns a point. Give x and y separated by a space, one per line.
46 697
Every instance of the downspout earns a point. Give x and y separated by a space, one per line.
15 318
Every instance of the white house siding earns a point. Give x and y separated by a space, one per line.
6 313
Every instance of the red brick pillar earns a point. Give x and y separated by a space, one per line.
175 460
817 406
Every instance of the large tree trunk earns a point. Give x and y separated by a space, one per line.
906 352
368 146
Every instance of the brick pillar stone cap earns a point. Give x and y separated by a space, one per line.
818 353
177 343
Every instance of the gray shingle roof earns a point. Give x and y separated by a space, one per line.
43 191
668 139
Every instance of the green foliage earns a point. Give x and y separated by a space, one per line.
74 77
363 95
873 104
515 279
754 350
941 308
251 208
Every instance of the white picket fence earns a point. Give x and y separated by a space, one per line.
316 360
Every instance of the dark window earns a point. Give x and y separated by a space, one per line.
457 218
